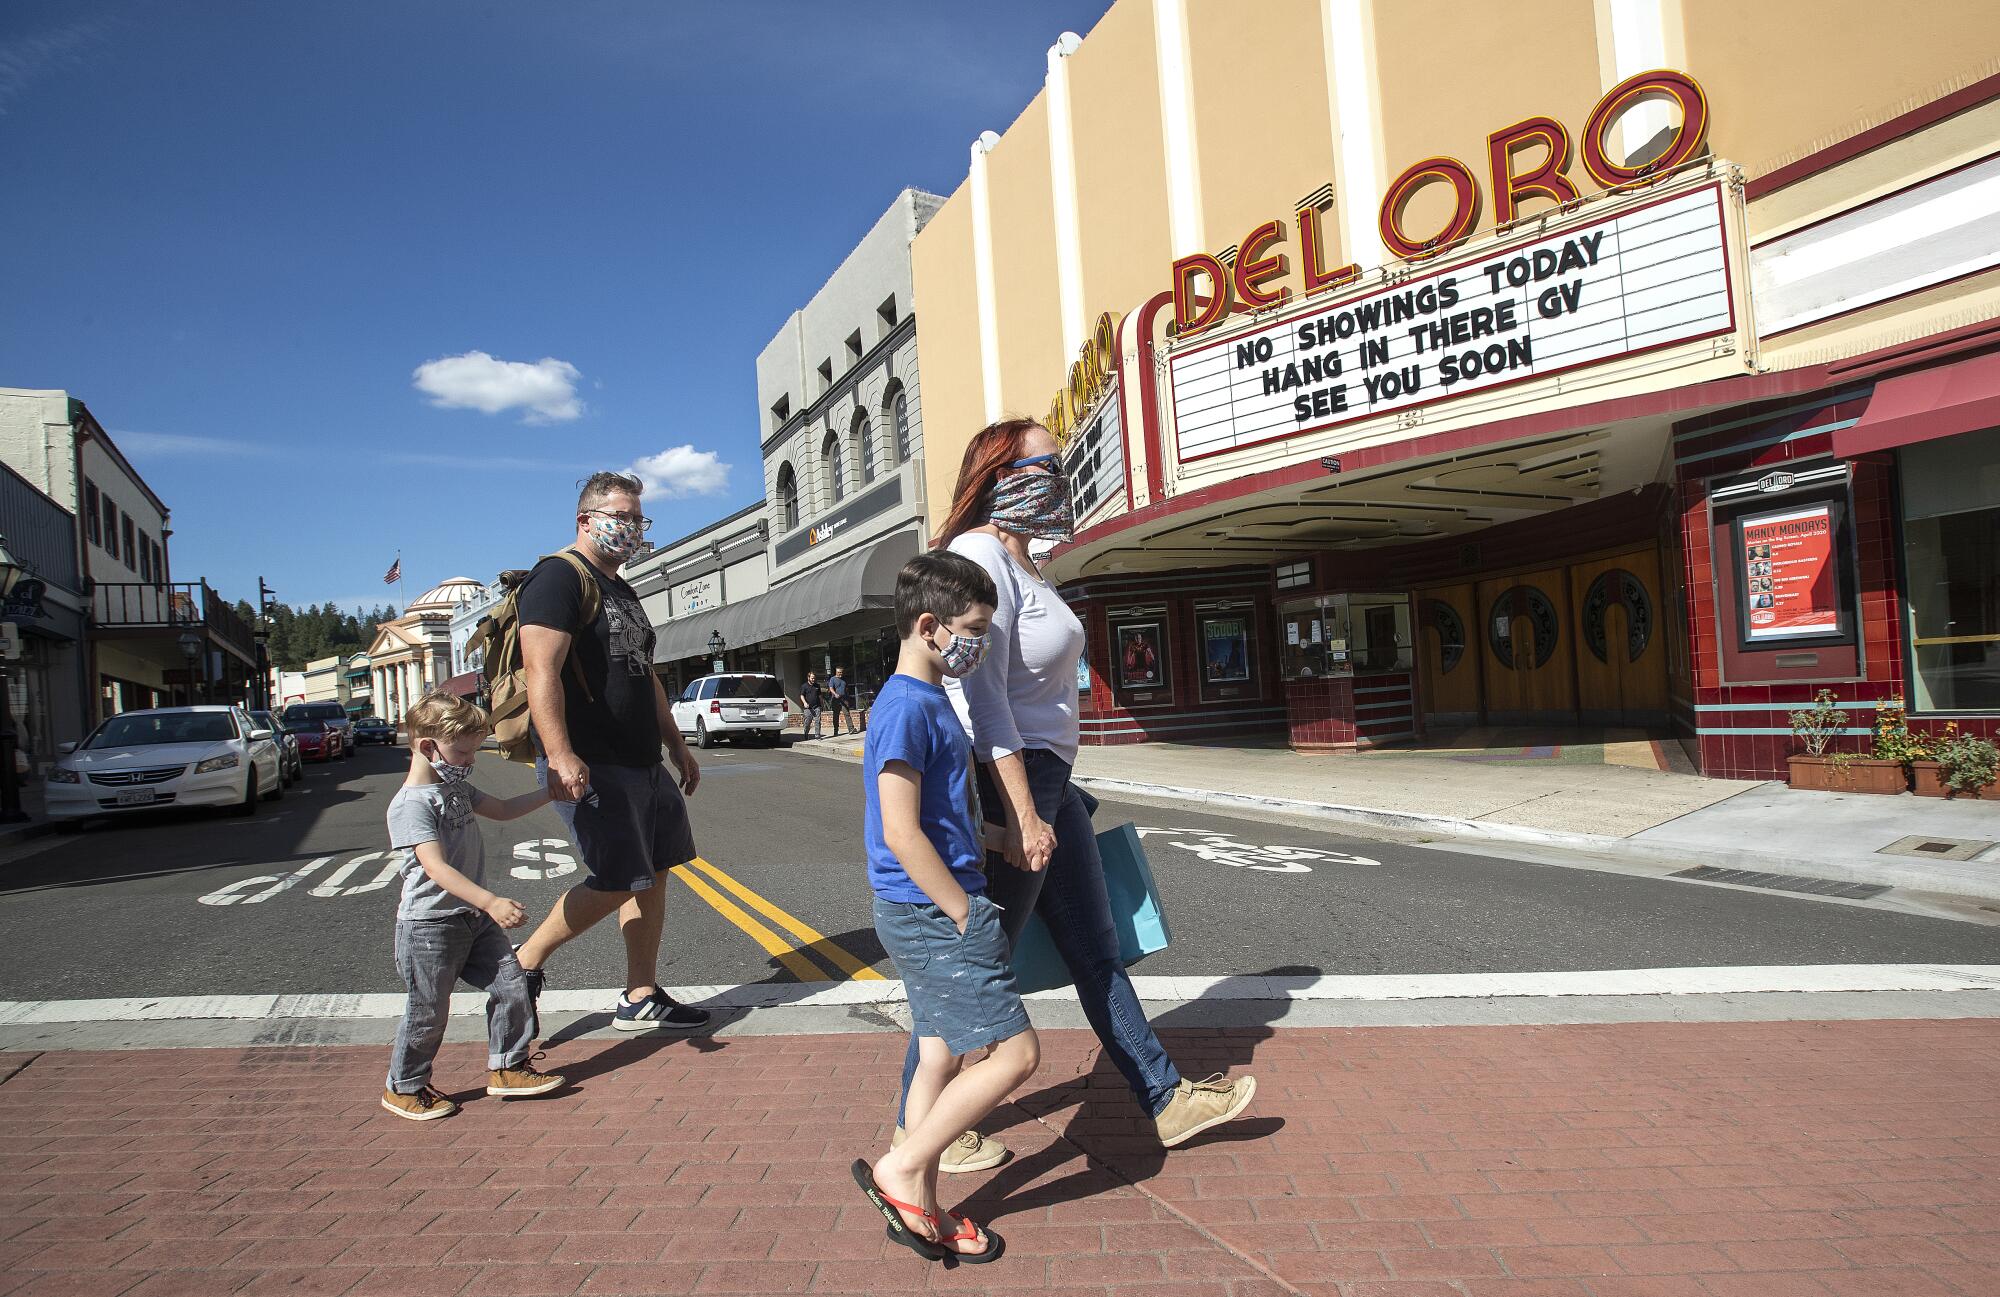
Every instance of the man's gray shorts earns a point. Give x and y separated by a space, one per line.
632 824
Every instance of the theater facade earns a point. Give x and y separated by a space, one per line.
1569 364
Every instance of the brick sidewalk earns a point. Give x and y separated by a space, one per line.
1655 1160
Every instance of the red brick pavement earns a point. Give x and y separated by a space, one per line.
1658 1160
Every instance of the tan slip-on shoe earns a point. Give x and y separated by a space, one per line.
971 1151
427 1104
521 1082
1200 1105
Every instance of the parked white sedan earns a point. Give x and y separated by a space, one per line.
166 756
743 704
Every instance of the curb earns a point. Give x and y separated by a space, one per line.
1916 876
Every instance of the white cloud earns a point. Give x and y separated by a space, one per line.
682 470
160 445
545 390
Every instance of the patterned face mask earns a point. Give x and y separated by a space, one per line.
614 537
1033 505
447 772
963 655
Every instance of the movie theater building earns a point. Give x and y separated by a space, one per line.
1568 363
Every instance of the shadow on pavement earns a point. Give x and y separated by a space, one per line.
1116 1137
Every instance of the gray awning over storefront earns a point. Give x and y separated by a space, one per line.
865 578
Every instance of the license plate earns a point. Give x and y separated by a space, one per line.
135 797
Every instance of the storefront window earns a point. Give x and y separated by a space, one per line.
1342 634
1951 569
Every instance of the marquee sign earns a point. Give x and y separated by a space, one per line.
1650 277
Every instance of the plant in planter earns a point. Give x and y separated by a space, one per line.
1926 773
1843 772
1969 764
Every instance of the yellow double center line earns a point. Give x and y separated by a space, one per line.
799 940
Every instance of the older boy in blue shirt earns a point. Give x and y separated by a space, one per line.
931 909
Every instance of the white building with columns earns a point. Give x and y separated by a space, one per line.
411 655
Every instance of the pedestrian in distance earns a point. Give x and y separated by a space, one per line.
836 697
932 913
810 697
599 714
1021 714
448 925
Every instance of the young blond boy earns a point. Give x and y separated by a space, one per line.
931 910
448 925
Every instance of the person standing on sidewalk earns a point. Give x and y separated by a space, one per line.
809 701
599 713
1021 711
836 691
448 926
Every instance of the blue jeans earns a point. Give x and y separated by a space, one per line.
1069 895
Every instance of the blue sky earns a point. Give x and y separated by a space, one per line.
244 233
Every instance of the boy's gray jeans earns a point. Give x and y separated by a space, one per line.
431 955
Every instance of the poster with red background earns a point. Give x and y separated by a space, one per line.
1787 574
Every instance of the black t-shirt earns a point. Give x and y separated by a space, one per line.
619 723
809 693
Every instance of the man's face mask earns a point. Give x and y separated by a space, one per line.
615 538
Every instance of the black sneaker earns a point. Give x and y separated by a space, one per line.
658 1011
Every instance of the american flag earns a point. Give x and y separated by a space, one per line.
395 572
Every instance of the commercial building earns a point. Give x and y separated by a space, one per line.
725 563
412 653
47 682
843 478
1566 363
467 663
150 640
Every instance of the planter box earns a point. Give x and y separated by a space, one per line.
1858 775
1927 779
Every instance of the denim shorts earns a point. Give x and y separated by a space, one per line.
961 988
630 826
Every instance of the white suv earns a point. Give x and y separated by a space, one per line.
735 705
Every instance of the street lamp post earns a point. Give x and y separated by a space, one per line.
10 781
715 646
191 647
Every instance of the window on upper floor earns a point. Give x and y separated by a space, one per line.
864 439
825 377
91 525
899 410
781 410
854 349
145 559
131 544
159 559
885 314
831 467
788 497
110 527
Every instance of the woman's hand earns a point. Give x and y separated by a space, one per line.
1030 843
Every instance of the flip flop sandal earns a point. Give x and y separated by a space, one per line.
968 1230
899 1229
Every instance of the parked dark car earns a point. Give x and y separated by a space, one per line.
373 729
317 740
329 711
291 762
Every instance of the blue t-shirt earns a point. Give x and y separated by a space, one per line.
912 722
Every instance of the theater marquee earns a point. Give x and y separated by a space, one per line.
1650 277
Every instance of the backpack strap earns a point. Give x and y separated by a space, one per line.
592 603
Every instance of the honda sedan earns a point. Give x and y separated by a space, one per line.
166 756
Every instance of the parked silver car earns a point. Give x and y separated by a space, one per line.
166 756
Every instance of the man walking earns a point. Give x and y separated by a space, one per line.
836 689
599 714
809 702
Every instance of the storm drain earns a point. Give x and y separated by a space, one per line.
1784 882
1926 848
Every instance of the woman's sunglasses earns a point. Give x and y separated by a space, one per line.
1052 463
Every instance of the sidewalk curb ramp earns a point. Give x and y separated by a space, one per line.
1980 882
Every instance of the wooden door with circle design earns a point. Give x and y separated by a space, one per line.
1621 656
1525 635
1447 658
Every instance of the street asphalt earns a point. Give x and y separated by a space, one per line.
301 897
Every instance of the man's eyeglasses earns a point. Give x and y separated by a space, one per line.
643 524
1048 463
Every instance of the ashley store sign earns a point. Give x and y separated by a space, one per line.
1651 277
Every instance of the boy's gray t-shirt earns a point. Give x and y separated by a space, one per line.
440 813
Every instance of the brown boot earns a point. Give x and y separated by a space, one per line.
1200 1105
427 1104
521 1082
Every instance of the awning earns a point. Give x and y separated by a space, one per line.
465 685
865 578
1931 403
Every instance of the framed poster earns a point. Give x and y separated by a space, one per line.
1141 662
1791 585
1225 650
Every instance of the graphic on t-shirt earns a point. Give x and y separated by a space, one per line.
627 634
455 810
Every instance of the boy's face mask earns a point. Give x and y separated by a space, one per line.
962 654
445 770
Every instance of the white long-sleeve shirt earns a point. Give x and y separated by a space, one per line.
1025 694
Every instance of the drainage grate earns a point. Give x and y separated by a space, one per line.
1928 848
1784 882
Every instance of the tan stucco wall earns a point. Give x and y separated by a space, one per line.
1260 80
947 307
1024 241
1453 73
1788 77
1120 166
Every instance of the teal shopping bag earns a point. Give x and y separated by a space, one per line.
1136 913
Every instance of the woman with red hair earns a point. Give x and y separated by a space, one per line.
1021 711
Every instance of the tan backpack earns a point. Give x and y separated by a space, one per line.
499 636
